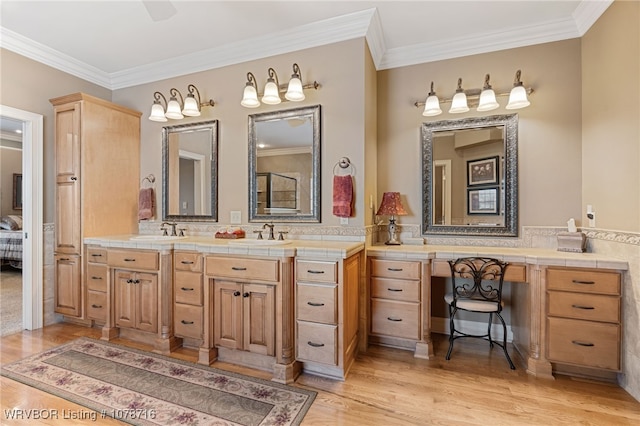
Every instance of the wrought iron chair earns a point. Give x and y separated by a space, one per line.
477 287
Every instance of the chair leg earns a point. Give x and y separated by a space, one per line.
504 341
452 313
489 329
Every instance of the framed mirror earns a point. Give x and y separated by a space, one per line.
190 172
470 176
284 166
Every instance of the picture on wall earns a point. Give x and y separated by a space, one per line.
483 201
17 191
483 171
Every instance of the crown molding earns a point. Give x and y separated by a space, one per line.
375 39
588 12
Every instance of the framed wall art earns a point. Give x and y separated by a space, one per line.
483 171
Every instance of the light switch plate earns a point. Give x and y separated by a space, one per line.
236 217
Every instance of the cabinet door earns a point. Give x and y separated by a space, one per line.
125 299
228 314
259 318
67 289
67 149
146 288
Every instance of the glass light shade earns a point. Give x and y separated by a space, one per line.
488 100
432 106
518 98
250 97
459 103
173 110
271 93
157 113
294 91
191 107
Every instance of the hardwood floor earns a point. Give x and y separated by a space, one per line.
385 387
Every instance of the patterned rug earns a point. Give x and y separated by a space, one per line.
144 388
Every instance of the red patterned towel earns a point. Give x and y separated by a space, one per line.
342 195
146 204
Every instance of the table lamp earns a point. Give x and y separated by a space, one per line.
391 206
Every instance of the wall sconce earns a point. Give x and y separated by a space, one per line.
391 206
484 99
176 110
271 96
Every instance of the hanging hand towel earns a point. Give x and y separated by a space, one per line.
146 204
342 195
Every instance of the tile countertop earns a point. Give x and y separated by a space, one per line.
210 245
520 255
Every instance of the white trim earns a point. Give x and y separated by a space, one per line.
588 12
199 177
33 247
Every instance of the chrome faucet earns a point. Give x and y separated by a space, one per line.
270 226
173 228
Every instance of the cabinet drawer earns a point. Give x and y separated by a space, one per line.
188 288
317 342
386 288
323 272
188 261
585 343
97 277
188 321
591 307
317 303
583 281
395 269
97 305
96 255
133 259
398 319
244 269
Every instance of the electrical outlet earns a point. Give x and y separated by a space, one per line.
236 217
344 221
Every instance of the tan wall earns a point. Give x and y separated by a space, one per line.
611 118
28 85
549 130
338 68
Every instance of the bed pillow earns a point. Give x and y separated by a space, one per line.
11 222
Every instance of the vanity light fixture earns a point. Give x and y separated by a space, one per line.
176 110
485 99
272 89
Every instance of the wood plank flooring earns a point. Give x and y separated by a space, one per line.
385 387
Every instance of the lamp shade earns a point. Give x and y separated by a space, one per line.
432 106
250 98
459 103
157 113
191 108
391 205
294 90
271 93
487 100
173 110
518 98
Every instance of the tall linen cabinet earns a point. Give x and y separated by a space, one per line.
97 163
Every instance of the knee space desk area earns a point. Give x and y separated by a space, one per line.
565 307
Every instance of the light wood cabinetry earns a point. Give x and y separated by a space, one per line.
189 296
97 285
583 318
97 160
327 314
136 300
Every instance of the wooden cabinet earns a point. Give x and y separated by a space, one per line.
583 318
97 284
136 300
97 160
188 294
327 314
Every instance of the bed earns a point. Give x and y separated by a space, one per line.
11 241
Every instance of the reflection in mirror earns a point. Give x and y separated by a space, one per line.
470 176
284 166
190 172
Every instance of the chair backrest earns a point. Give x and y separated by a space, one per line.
478 278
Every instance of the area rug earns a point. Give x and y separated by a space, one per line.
10 301
144 388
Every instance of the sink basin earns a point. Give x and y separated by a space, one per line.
155 238
260 243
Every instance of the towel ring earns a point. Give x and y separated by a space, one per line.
344 163
150 178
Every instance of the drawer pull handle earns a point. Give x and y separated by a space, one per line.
186 262
129 260
237 268
186 289
315 304
583 282
129 281
64 259
96 306
96 255
582 307
136 281
579 343
187 322
315 345
96 278
236 293
311 271
395 269
394 289
394 319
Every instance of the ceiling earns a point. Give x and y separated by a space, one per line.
119 44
